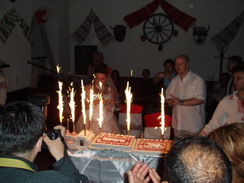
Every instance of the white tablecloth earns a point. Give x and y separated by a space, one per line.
110 166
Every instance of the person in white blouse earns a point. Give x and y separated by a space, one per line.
187 95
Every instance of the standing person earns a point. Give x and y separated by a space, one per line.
3 85
21 136
110 123
233 61
98 59
186 94
162 79
231 108
231 139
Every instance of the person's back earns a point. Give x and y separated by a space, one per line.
21 136
197 160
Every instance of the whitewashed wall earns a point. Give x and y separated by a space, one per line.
66 16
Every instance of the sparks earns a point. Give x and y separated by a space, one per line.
128 97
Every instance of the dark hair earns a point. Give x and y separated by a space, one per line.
102 68
146 70
236 59
197 160
21 125
238 68
114 72
169 61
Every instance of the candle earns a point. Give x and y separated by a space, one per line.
128 97
72 103
131 72
162 112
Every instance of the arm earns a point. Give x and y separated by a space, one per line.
157 78
219 119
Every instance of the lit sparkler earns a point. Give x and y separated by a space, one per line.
128 97
60 97
72 104
83 98
100 120
162 112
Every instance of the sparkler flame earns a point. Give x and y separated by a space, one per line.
128 97
162 112
100 120
83 98
91 103
60 106
72 101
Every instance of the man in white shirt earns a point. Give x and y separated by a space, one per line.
187 94
231 108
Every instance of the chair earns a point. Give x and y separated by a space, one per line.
152 126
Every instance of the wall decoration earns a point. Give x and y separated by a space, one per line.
224 37
119 32
104 36
8 22
41 16
200 34
158 29
175 15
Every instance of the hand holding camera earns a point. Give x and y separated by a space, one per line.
54 143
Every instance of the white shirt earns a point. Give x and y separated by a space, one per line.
229 110
188 118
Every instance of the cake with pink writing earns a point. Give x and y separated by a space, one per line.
113 141
81 140
152 147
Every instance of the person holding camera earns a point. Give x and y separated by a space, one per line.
21 136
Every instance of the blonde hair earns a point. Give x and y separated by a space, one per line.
231 139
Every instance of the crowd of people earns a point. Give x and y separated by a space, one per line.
204 152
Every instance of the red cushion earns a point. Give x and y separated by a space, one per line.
154 120
134 108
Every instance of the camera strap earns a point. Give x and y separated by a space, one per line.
15 163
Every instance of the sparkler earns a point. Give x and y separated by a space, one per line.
83 98
128 97
91 103
72 104
60 106
162 112
100 120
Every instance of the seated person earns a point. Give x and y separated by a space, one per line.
231 139
190 160
21 136
110 123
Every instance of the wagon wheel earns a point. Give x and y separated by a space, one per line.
158 29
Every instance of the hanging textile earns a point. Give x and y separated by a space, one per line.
104 36
175 15
8 22
224 37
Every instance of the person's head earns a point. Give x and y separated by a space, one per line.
146 73
101 73
115 74
197 160
21 127
169 65
97 58
231 139
182 64
233 61
238 77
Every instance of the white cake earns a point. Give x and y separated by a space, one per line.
113 141
81 140
152 147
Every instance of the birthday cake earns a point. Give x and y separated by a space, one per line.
81 140
113 141
152 147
